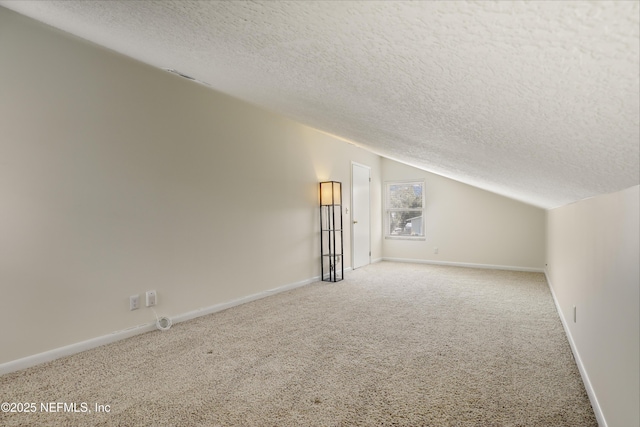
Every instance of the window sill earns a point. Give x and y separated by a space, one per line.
405 237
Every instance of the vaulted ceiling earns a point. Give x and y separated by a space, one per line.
537 100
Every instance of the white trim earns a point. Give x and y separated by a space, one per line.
405 237
373 261
242 300
595 405
353 255
68 350
47 356
466 264
328 276
361 164
386 210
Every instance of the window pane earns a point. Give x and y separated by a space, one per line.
405 223
405 196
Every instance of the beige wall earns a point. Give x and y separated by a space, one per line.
469 225
117 178
593 264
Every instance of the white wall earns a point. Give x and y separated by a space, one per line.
469 225
593 264
116 178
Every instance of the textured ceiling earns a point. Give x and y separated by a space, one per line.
538 101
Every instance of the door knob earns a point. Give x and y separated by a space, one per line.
355 222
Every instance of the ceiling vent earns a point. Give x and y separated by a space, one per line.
178 73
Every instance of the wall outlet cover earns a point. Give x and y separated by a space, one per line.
152 298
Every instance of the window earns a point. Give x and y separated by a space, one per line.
404 204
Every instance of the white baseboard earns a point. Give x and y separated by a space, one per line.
576 355
68 350
47 356
243 300
327 276
466 264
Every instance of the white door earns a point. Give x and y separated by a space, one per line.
360 216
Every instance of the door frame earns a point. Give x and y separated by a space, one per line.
353 252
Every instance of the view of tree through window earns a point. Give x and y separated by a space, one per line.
404 209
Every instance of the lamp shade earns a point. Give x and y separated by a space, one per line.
330 193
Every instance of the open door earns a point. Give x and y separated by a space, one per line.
360 215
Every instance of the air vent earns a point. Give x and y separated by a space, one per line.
193 79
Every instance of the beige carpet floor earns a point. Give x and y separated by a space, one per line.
391 345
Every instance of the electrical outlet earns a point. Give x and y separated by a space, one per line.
152 298
435 250
134 302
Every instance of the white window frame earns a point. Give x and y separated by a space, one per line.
388 210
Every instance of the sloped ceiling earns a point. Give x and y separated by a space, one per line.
538 101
